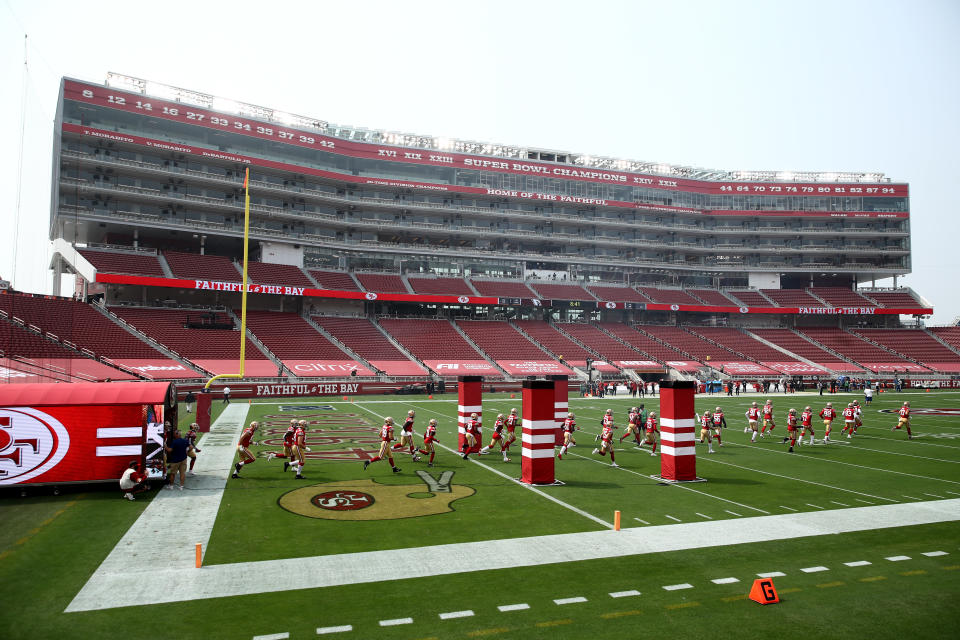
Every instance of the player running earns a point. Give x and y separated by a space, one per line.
857 416
904 420
606 437
471 435
767 417
719 422
192 450
633 425
829 415
286 450
569 426
243 447
706 421
429 437
406 436
806 420
849 420
753 417
497 436
791 428
386 437
512 423
299 446
651 429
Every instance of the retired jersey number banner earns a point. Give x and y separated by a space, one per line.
63 444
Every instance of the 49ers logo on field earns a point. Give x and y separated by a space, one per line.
343 500
954 413
369 500
31 443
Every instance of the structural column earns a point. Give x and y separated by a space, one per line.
678 420
539 432
561 403
203 410
469 400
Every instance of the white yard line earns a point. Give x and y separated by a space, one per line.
325 630
396 621
703 516
897 558
725 580
513 607
573 600
641 521
849 464
858 563
273 636
906 455
788 508
814 569
820 484
450 615
913 442
145 581
934 554
677 587
625 594
771 574
842 504
672 518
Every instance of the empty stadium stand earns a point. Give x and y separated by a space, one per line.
360 336
437 342
136 263
651 347
792 298
555 342
950 335
617 294
860 351
797 344
301 348
610 349
696 346
894 299
669 296
277 274
915 344
713 297
750 298
26 356
841 297
552 291
503 288
335 280
501 341
215 350
202 267
382 282
441 286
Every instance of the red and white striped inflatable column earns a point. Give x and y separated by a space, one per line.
469 400
561 403
678 421
539 432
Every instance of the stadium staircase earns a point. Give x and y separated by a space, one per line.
262 347
336 342
483 353
922 348
546 336
856 350
136 333
751 298
164 266
396 343
934 334
637 349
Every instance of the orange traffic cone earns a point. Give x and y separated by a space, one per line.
764 592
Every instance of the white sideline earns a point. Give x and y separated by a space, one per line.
145 581
167 531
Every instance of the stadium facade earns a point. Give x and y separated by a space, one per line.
148 202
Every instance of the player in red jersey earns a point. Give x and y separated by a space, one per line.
287 447
753 417
606 437
569 426
791 428
192 450
828 414
386 437
633 426
406 436
857 416
299 446
429 437
904 420
243 447
497 436
706 421
471 435
849 420
512 423
806 419
719 422
767 417
651 430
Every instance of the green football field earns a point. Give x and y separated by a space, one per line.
832 585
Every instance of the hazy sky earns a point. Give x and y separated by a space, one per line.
822 86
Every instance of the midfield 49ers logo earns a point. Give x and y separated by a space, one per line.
31 443
368 500
954 413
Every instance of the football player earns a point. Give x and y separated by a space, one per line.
632 428
651 431
497 436
192 450
767 417
406 436
705 436
569 426
243 447
849 420
753 417
827 414
719 422
512 423
857 416
299 446
386 437
606 437
287 447
429 437
904 420
471 435
806 420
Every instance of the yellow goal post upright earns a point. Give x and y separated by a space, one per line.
243 290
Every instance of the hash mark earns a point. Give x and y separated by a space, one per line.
677 587
672 518
513 607
771 574
395 622
624 594
934 554
570 600
732 513
897 558
858 563
783 506
703 516
725 580
324 630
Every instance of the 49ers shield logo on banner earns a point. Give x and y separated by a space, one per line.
31 443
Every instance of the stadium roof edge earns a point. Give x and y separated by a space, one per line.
443 144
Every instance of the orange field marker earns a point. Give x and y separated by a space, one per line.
199 555
764 592
616 521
